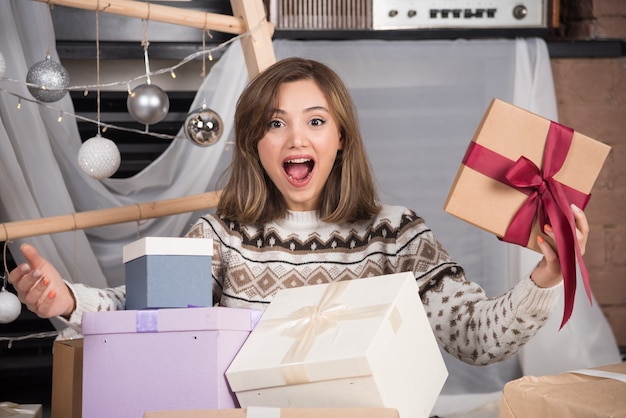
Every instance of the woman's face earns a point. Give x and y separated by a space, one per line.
300 144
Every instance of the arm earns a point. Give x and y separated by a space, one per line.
40 287
481 330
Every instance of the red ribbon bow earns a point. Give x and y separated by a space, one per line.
548 199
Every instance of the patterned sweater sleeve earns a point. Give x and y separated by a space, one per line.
481 330
91 299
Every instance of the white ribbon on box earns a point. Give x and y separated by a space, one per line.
308 322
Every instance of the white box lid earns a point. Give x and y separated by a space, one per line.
167 246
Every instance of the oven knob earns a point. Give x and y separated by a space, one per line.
520 11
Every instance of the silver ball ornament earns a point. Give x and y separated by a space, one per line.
148 104
203 126
51 80
99 157
10 307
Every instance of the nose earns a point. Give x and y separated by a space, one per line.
297 137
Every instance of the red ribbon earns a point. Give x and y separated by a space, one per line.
548 199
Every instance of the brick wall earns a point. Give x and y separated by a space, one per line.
594 19
591 97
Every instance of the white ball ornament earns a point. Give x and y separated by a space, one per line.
99 157
148 104
51 80
203 126
10 307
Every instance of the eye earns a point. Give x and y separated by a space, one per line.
274 124
317 122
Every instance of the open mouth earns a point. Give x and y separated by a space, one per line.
298 169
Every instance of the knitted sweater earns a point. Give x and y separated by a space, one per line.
250 264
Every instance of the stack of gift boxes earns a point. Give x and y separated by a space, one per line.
339 349
358 348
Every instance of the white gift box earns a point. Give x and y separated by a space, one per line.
358 343
168 272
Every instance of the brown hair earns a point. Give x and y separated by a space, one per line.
250 196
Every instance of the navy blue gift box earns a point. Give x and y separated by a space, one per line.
168 272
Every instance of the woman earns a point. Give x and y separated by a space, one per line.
300 207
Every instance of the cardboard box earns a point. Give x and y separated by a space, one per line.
572 395
168 272
512 132
160 359
67 379
358 343
13 410
261 412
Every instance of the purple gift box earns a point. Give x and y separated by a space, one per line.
160 359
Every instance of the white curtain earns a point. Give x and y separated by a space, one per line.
419 103
39 157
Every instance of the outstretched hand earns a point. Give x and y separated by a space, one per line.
40 287
548 271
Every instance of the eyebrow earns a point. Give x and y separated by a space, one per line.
308 109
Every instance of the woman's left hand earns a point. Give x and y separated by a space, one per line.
548 271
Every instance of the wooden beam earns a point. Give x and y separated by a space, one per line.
159 13
257 47
103 217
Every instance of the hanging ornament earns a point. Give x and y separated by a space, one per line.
3 65
50 79
148 104
10 306
203 126
99 157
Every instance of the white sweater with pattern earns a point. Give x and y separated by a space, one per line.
251 264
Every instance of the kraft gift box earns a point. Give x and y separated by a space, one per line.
593 393
358 343
266 412
14 410
67 378
160 359
168 272
505 134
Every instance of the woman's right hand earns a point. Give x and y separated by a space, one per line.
40 287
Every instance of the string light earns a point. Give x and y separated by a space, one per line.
103 127
87 88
